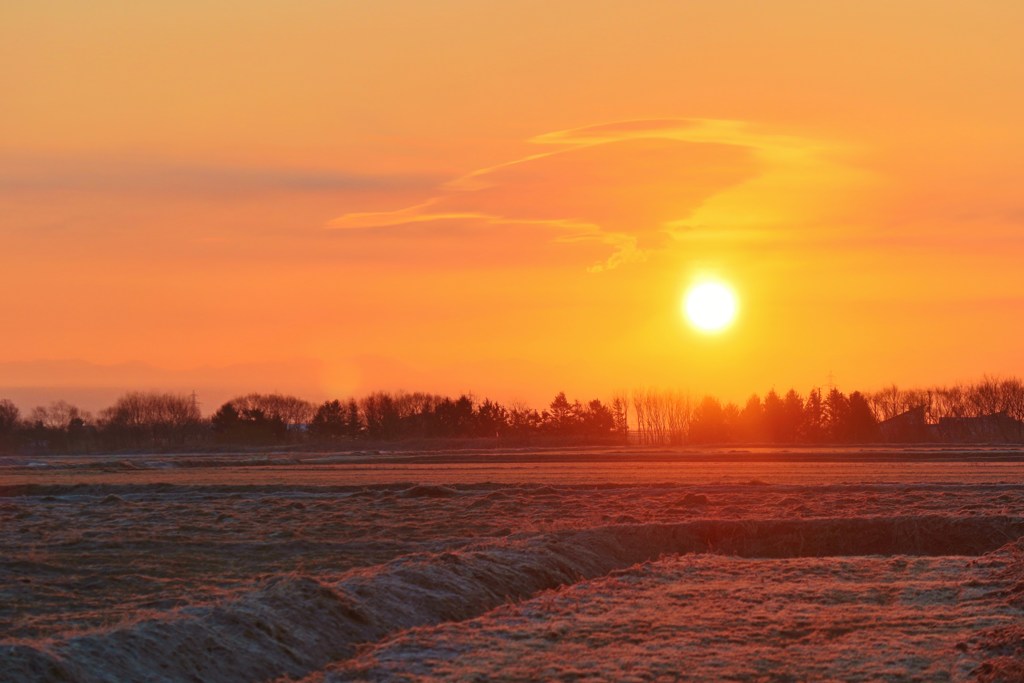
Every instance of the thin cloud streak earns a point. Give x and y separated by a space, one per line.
631 185
131 176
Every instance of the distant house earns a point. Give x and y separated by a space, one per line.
905 427
994 428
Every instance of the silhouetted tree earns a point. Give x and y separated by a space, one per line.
678 412
492 419
9 415
889 402
263 428
58 415
416 414
863 427
293 412
620 414
227 424
381 415
731 417
1012 398
774 417
524 420
793 416
750 422
353 422
950 402
643 430
662 417
60 426
560 415
251 426
708 424
836 416
597 420
812 426
329 421
454 418
152 419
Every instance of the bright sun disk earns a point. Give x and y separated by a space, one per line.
710 306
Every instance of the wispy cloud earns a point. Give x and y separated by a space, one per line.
632 186
136 176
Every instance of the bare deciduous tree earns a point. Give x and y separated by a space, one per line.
58 415
9 415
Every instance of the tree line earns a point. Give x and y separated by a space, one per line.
145 420
666 417
833 417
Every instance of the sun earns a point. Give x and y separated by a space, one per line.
710 306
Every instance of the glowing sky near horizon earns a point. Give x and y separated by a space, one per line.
509 198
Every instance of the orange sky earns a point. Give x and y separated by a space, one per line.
508 198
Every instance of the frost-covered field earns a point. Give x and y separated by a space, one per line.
708 617
646 565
